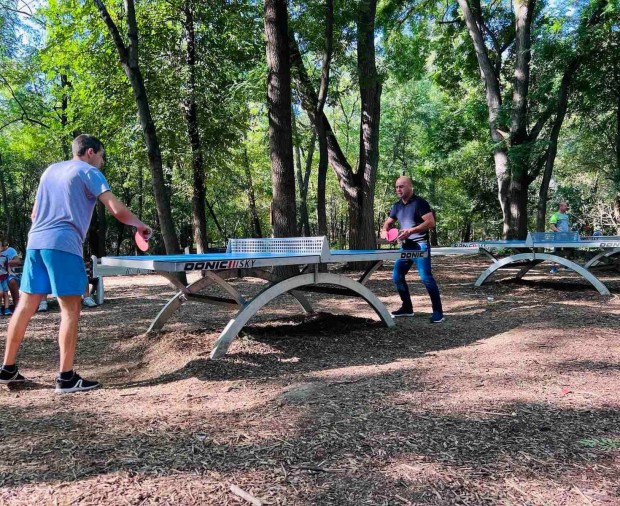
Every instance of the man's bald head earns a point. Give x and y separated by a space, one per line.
404 187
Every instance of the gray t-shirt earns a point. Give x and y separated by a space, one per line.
66 198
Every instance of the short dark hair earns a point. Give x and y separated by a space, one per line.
83 143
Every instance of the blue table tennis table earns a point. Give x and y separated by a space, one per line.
541 247
253 258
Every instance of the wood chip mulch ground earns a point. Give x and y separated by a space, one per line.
514 400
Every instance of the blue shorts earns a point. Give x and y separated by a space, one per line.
55 272
4 285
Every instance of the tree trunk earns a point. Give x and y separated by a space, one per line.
524 11
280 124
190 109
319 127
617 174
64 103
358 188
128 56
552 149
321 180
5 206
507 188
256 228
362 233
303 182
517 198
465 234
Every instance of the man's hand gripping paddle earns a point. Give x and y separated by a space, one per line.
392 234
142 241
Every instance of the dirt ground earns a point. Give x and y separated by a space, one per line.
514 400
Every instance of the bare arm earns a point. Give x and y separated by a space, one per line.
122 213
34 211
428 222
554 228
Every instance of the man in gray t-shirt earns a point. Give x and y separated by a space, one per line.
65 200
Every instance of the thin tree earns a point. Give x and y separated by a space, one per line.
358 186
128 56
190 110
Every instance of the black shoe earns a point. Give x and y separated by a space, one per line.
7 377
75 384
403 311
437 318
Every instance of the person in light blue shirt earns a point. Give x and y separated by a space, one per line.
14 278
64 204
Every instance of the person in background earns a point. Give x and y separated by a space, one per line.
559 222
14 278
87 300
4 285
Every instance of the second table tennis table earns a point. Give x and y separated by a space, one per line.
541 247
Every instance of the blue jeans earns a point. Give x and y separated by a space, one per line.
401 268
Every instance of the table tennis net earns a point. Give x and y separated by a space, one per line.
290 245
554 236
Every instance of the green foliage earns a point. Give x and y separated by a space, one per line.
433 120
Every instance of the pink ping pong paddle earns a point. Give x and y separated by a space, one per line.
392 234
141 242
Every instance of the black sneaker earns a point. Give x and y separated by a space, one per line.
403 312
75 384
7 377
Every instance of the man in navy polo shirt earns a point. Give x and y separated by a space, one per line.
415 218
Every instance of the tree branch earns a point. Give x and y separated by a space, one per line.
113 29
25 116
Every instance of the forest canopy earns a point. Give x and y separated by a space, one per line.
241 119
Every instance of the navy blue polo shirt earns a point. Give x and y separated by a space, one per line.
409 215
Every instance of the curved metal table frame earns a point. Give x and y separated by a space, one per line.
535 259
286 286
599 258
219 278
248 308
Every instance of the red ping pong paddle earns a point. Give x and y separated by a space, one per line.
141 242
392 234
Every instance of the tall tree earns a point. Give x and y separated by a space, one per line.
190 109
283 210
357 185
318 125
493 32
128 56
